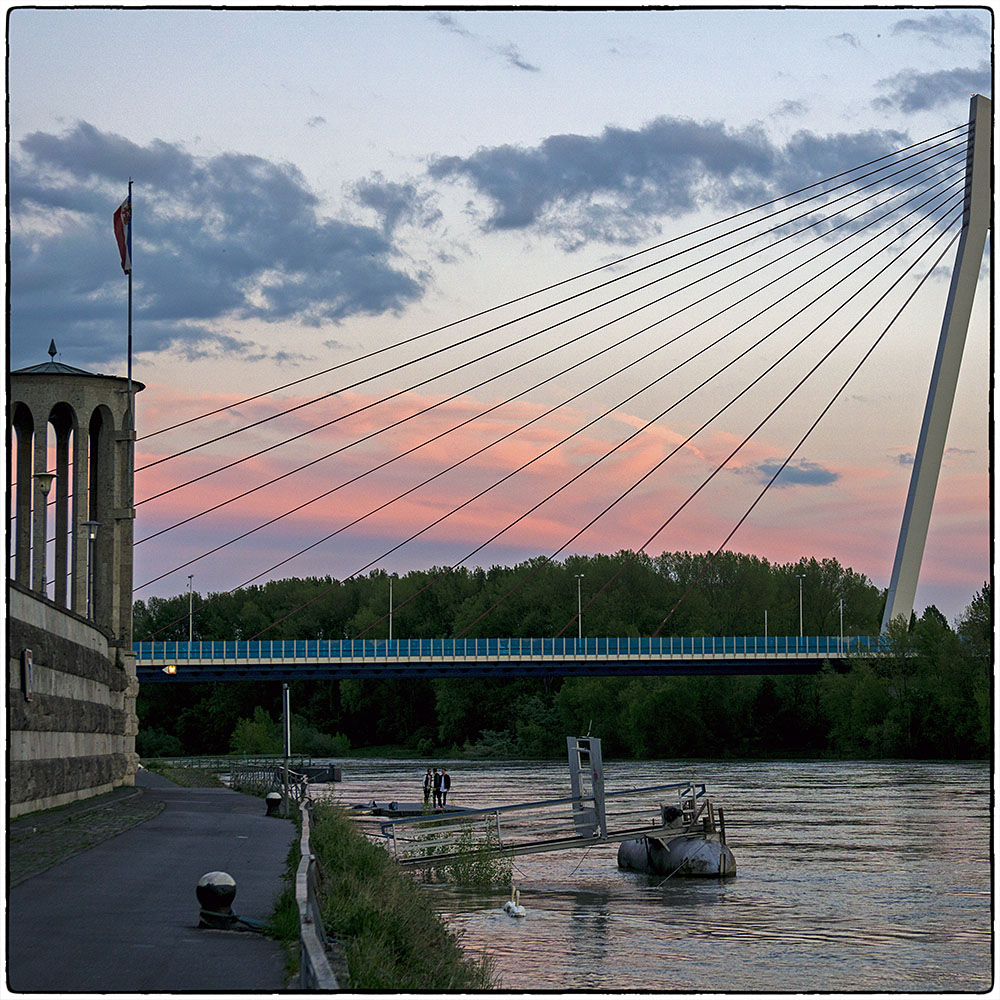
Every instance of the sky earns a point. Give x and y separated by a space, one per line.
310 186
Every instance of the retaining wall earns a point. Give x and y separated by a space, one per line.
71 719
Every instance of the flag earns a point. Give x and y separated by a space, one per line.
123 232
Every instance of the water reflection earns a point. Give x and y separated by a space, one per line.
860 876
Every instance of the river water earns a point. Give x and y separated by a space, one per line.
852 876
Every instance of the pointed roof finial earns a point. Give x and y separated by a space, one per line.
52 349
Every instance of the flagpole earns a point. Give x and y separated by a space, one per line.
130 301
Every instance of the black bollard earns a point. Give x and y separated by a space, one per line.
216 892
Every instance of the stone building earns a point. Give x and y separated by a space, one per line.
71 672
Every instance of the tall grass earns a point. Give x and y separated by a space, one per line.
392 938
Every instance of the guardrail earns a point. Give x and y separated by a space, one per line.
278 650
225 762
315 972
536 827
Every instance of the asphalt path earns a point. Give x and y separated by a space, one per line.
122 916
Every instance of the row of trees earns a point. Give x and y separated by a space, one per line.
931 698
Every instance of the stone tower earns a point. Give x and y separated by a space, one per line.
70 441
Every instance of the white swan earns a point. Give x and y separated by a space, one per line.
513 906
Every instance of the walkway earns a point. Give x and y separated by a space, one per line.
122 916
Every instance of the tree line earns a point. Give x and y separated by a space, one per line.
931 697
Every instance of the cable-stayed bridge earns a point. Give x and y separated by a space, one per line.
757 321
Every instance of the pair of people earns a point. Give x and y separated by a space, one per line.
439 784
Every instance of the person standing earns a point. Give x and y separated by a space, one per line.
445 785
428 784
437 788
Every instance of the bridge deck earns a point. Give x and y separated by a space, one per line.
298 659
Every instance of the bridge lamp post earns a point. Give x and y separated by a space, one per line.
801 577
391 576
579 607
190 610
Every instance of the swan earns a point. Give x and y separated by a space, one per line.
513 906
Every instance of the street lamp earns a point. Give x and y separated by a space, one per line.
44 480
91 527
801 577
190 610
579 607
391 575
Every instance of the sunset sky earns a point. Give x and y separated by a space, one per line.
311 186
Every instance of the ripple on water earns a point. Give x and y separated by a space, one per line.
853 876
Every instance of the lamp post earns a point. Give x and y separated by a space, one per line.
190 610
391 575
801 577
44 480
91 527
579 607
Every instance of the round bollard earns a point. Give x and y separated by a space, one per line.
216 892
273 801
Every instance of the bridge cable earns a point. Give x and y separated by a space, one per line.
895 153
537 505
550 378
663 461
729 457
448 347
467 364
552 409
363 568
421 532
801 441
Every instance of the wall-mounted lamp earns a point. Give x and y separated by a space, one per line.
91 527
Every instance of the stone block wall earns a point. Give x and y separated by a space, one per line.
71 726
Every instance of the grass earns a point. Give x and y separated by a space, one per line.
190 777
392 938
284 924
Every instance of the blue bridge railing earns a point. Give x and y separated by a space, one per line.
279 650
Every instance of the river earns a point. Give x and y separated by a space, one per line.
852 876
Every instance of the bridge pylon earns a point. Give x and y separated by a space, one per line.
947 362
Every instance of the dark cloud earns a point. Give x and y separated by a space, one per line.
912 91
801 473
944 27
395 203
616 185
216 240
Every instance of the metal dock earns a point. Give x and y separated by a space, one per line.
587 817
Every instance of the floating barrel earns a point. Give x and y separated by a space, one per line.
690 857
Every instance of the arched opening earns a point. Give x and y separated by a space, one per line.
23 427
101 495
63 422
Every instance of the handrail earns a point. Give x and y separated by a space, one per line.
512 648
315 972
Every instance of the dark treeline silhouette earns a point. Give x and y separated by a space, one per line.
930 698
